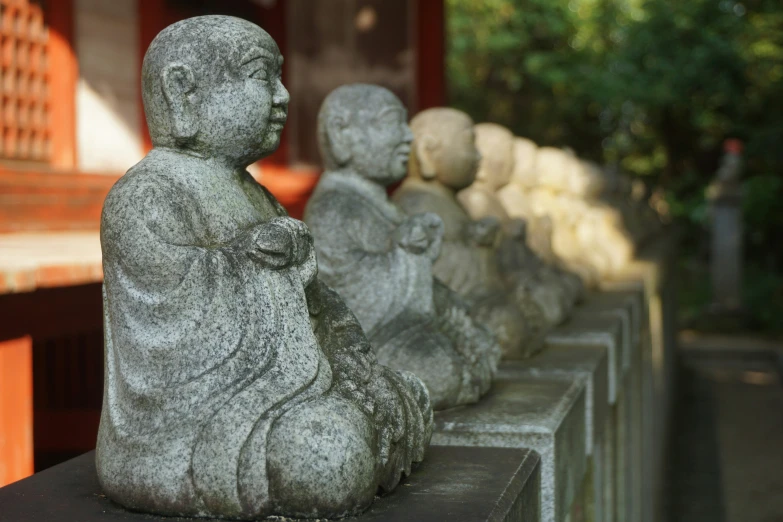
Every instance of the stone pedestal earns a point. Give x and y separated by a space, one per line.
594 330
652 273
453 483
546 414
590 364
628 306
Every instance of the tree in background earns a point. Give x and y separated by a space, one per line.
653 86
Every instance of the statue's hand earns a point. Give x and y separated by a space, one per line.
421 234
485 232
279 243
517 230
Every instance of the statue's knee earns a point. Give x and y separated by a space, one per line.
321 461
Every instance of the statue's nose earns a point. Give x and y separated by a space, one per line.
408 136
281 96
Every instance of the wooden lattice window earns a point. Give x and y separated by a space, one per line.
24 82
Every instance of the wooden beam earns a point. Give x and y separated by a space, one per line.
41 200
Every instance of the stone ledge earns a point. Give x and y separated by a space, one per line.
589 363
594 330
453 483
546 414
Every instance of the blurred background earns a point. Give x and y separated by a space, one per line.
651 88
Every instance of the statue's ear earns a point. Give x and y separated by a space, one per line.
425 146
339 133
179 83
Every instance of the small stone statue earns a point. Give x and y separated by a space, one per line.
380 261
444 160
519 265
238 385
525 197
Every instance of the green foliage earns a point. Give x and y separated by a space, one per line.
653 86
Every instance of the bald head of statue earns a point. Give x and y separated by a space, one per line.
211 86
495 143
364 128
444 148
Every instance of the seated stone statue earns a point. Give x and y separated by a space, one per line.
519 265
380 261
444 160
238 385
525 197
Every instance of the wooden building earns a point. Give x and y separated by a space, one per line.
71 123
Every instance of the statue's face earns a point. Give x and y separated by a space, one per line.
245 107
382 142
497 156
458 159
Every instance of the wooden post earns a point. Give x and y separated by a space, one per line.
431 53
16 410
64 74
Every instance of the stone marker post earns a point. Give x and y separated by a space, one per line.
725 197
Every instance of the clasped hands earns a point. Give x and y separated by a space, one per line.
484 232
278 243
421 234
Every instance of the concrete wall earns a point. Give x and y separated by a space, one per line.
108 118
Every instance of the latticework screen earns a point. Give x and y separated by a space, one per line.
24 82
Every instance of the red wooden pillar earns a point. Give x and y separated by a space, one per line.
153 18
431 49
63 77
16 410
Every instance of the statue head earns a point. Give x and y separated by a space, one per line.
444 148
211 86
586 179
495 143
553 167
364 128
524 173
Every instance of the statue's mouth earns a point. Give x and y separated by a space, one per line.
278 115
403 152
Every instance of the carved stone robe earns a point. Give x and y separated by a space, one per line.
206 349
414 322
471 268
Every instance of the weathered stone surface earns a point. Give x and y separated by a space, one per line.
628 306
380 260
444 160
589 363
454 483
605 331
546 414
237 383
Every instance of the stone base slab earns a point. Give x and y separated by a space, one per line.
453 483
546 414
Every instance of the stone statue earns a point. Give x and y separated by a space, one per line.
519 265
380 261
588 234
526 197
444 161
238 385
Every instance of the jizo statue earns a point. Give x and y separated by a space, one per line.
380 260
238 385
444 160
549 288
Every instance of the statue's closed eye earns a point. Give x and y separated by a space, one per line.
260 74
